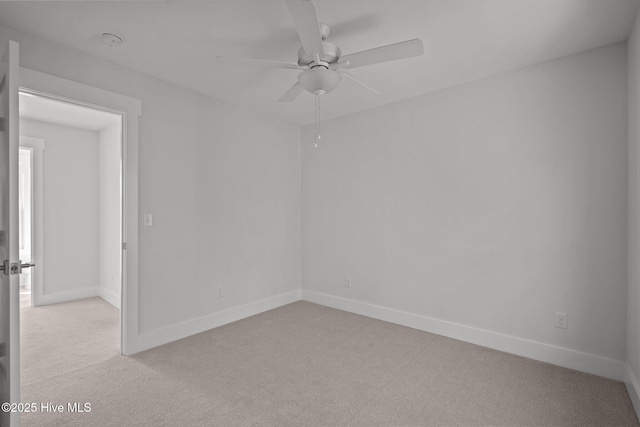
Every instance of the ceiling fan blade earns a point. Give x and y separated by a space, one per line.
392 52
259 63
350 76
339 66
292 93
303 14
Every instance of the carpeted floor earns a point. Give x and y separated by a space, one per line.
309 365
62 337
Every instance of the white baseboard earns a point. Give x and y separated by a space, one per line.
548 353
110 297
181 330
633 388
64 296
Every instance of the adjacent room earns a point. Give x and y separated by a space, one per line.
306 213
70 205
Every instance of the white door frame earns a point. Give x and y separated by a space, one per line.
54 87
36 145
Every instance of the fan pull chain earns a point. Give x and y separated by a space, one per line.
317 116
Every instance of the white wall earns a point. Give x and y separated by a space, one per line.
70 199
633 320
110 211
493 205
223 184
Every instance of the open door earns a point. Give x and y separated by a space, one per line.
10 266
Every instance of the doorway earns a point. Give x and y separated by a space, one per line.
71 208
130 109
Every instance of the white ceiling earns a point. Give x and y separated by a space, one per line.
63 113
464 40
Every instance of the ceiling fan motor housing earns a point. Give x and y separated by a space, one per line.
332 54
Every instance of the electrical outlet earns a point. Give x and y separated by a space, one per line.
220 291
561 320
347 281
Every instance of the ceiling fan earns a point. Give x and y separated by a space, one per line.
322 63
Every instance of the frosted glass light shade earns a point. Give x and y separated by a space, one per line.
319 80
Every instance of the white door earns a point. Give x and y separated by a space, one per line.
9 247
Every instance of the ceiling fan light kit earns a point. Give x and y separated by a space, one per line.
319 80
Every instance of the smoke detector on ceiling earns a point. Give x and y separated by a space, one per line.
112 40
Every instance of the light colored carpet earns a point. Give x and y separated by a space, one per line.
62 337
308 365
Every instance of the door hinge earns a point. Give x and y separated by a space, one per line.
124 246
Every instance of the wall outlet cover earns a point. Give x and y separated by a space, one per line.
562 320
347 281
